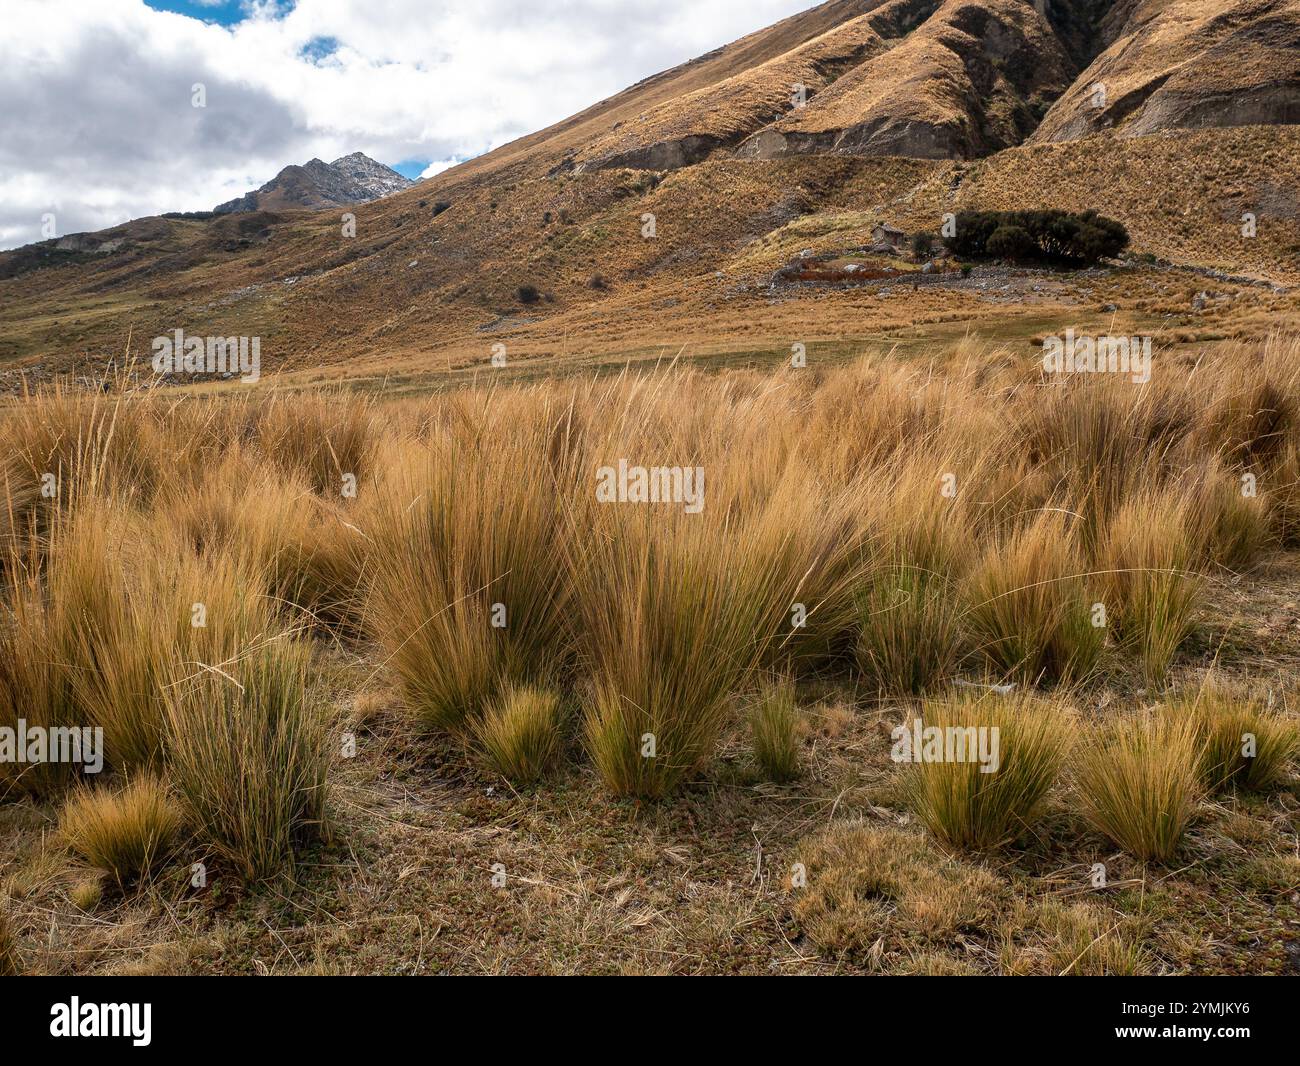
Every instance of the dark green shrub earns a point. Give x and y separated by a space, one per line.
1011 242
1049 235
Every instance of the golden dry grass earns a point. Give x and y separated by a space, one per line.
870 890
774 722
520 735
1139 785
250 753
985 803
10 962
124 833
1030 612
1244 744
654 622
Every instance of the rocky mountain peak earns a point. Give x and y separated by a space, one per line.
350 179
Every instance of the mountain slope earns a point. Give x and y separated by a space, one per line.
914 108
971 79
1187 65
685 129
941 79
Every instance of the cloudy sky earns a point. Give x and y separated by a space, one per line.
97 123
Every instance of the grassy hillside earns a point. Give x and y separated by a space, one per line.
1186 66
419 292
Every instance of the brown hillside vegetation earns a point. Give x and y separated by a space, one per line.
971 79
409 283
1187 66
423 287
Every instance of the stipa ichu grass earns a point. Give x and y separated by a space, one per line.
126 832
1139 785
485 565
1150 587
250 752
1244 745
1030 612
975 803
774 730
470 587
520 733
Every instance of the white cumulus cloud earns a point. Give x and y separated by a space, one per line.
97 123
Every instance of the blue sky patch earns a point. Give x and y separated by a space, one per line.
411 168
222 12
319 48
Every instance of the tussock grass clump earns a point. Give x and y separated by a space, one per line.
1282 494
310 549
909 606
116 638
97 630
1151 591
872 413
1243 744
87 895
1030 612
80 445
250 752
34 686
470 585
318 566
909 634
84 641
1229 528
872 890
678 612
125 833
10 961
1253 411
322 437
129 647
1099 439
23 510
1074 939
671 636
774 729
520 733
967 808
813 545
1139 785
